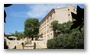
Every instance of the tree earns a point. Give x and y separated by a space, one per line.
61 28
19 35
67 39
70 37
31 27
16 33
54 26
64 28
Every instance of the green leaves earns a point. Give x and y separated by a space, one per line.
54 25
19 35
62 28
67 39
31 27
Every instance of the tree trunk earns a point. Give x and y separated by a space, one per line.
32 37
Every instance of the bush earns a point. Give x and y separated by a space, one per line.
67 39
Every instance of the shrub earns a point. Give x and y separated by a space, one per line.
67 39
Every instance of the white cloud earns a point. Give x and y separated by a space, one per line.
39 10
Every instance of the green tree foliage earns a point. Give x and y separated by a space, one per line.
31 28
54 26
19 35
64 28
67 39
16 33
61 28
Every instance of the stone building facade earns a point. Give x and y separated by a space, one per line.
62 15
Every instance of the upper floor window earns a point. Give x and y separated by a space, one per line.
47 35
73 9
68 9
9 42
51 33
68 14
44 42
47 19
48 25
51 15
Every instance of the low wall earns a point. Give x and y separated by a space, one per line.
12 43
40 44
19 46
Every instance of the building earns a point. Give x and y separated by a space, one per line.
62 15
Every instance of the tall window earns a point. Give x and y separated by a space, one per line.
51 15
47 19
68 9
51 33
68 14
73 9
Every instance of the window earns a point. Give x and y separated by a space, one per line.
17 43
73 9
68 9
47 25
51 33
44 23
9 42
68 14
44 42
47 19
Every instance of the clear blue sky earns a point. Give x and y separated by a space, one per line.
18 13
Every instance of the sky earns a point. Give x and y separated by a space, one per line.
18 13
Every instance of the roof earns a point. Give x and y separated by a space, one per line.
49 14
